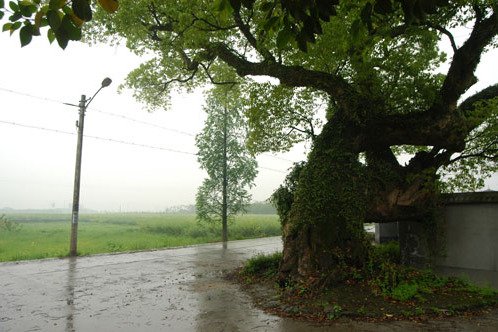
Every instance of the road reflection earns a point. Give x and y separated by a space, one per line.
71 272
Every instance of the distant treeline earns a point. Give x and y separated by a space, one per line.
261 208
254 208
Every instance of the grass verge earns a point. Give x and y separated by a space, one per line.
35 236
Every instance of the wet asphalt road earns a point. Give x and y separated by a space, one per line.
180 289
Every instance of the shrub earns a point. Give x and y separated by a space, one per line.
9 226
263 265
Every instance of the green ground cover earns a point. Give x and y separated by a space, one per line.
384 291
47 235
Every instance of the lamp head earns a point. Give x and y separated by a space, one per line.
106 82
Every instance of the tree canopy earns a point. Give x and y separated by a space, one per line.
389 64
62 18
374 64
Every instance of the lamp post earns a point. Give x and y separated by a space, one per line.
77 172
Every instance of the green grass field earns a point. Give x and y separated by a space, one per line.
47 235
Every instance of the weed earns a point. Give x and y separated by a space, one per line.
302 289
419 311
361 311
407 314
113 246
335 313
435 310
7 225
263 265
404 291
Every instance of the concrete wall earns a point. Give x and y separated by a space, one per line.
470 238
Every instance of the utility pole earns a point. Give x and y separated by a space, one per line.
77 176
73 246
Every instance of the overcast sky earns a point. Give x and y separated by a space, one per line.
37 166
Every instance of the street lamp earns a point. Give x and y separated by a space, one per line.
77 172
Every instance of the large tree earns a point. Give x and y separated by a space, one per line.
375 67
224 156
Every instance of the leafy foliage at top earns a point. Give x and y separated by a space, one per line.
63 18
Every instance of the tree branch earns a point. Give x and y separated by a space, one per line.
213 26
246 31
460 76
206 69
292 76
446 32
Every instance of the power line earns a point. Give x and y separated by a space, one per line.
116 141
272 169
279 158
141 122
139 145
100 111
98 138
31 96
121 117
36 127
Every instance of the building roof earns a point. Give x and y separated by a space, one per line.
482 197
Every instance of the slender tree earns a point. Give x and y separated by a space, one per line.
223 155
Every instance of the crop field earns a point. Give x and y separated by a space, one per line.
36 236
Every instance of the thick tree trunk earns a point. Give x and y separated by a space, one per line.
323 233
324 230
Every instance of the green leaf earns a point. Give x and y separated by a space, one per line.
283 38
302 44
1 15
54 19
50 36
56 4
44 22
14 27
383 7
355 28
2 3
270 24
16 16
267 6
72 31
247 3
82 9
27 10
13 6
366 15
66 10
6 27
26 34
62 38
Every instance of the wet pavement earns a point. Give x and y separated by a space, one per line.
179 289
